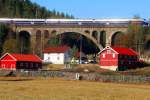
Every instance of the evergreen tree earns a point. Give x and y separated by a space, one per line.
54 41
10 46
3 34
73 51
27 9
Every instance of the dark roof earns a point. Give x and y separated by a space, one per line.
61 49
24 57
125 51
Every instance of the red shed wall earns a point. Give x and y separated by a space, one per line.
108 58
8 64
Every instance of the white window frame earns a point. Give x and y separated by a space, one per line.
103 55
58 58
49 58
113 55
12 65
108 51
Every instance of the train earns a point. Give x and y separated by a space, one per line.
79 22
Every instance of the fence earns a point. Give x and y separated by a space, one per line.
124 78
87 76
39 73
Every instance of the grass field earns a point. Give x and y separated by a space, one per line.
59 89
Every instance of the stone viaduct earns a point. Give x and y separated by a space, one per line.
101 32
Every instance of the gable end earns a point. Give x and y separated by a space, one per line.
8 56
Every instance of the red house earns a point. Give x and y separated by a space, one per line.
20 61
117 58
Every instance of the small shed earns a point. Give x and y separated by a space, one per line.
20 61
57 55
118 58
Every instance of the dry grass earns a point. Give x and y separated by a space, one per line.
139 71
53 67
59 89
74 67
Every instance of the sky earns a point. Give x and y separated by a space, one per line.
99 8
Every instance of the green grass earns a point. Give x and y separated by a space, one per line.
59 89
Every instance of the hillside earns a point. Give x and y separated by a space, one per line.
27 9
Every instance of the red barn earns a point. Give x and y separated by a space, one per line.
20 61
117 58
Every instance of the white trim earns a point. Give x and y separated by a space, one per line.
113 68
109 60
9 55
108 47
3 55
39 58
103 55
137 54
12 66
114 55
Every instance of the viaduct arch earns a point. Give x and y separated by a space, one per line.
24 38
101 37
115 36
147 45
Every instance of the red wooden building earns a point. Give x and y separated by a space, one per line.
20 61
117 58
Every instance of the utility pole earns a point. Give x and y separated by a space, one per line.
140 45
80 49
42 44
80 44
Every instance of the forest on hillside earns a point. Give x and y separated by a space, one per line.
27 9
